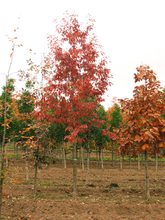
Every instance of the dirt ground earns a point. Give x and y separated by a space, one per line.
103 194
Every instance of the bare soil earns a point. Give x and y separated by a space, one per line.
103 194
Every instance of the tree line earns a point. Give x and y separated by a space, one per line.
65 108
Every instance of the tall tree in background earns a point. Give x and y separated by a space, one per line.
114 117
143 125
77 77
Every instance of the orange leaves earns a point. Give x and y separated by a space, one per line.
143 121
138 138
163 130
144 73
148 135
145 147
109 112
161 145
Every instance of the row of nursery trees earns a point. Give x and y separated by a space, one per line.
65 107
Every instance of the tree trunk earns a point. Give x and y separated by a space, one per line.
6 157
64 157
2 162
88 159
101 157
156 162
147 192
74 171
2 176
26 165
2 158
82 158
36 170
97 156
35 177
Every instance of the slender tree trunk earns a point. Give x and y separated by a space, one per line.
36 171
64 157
101 157
156 162
6 157
88 159
97 155
26 165
82 158
2 170
2 165
74 171
2 158
147 192
35 176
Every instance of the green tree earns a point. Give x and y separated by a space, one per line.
6 100
114 120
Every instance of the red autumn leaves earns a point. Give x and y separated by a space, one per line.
77 76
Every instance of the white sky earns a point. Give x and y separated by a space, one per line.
132 32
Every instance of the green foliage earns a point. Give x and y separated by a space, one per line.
6 100
96 131
25 106
26 102
57 132
115 118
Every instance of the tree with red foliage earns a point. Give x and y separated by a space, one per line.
142 127
77 76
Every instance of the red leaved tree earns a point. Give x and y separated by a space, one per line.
143 125
77 76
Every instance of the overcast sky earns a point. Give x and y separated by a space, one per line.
132 32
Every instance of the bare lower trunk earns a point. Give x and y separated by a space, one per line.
26 165
2 158
101 158
35 176
82 158
97 156
138 162
2 165
156 162
36 170
64 157
6 158
88 159
88 166
2 176
147 191
74 171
